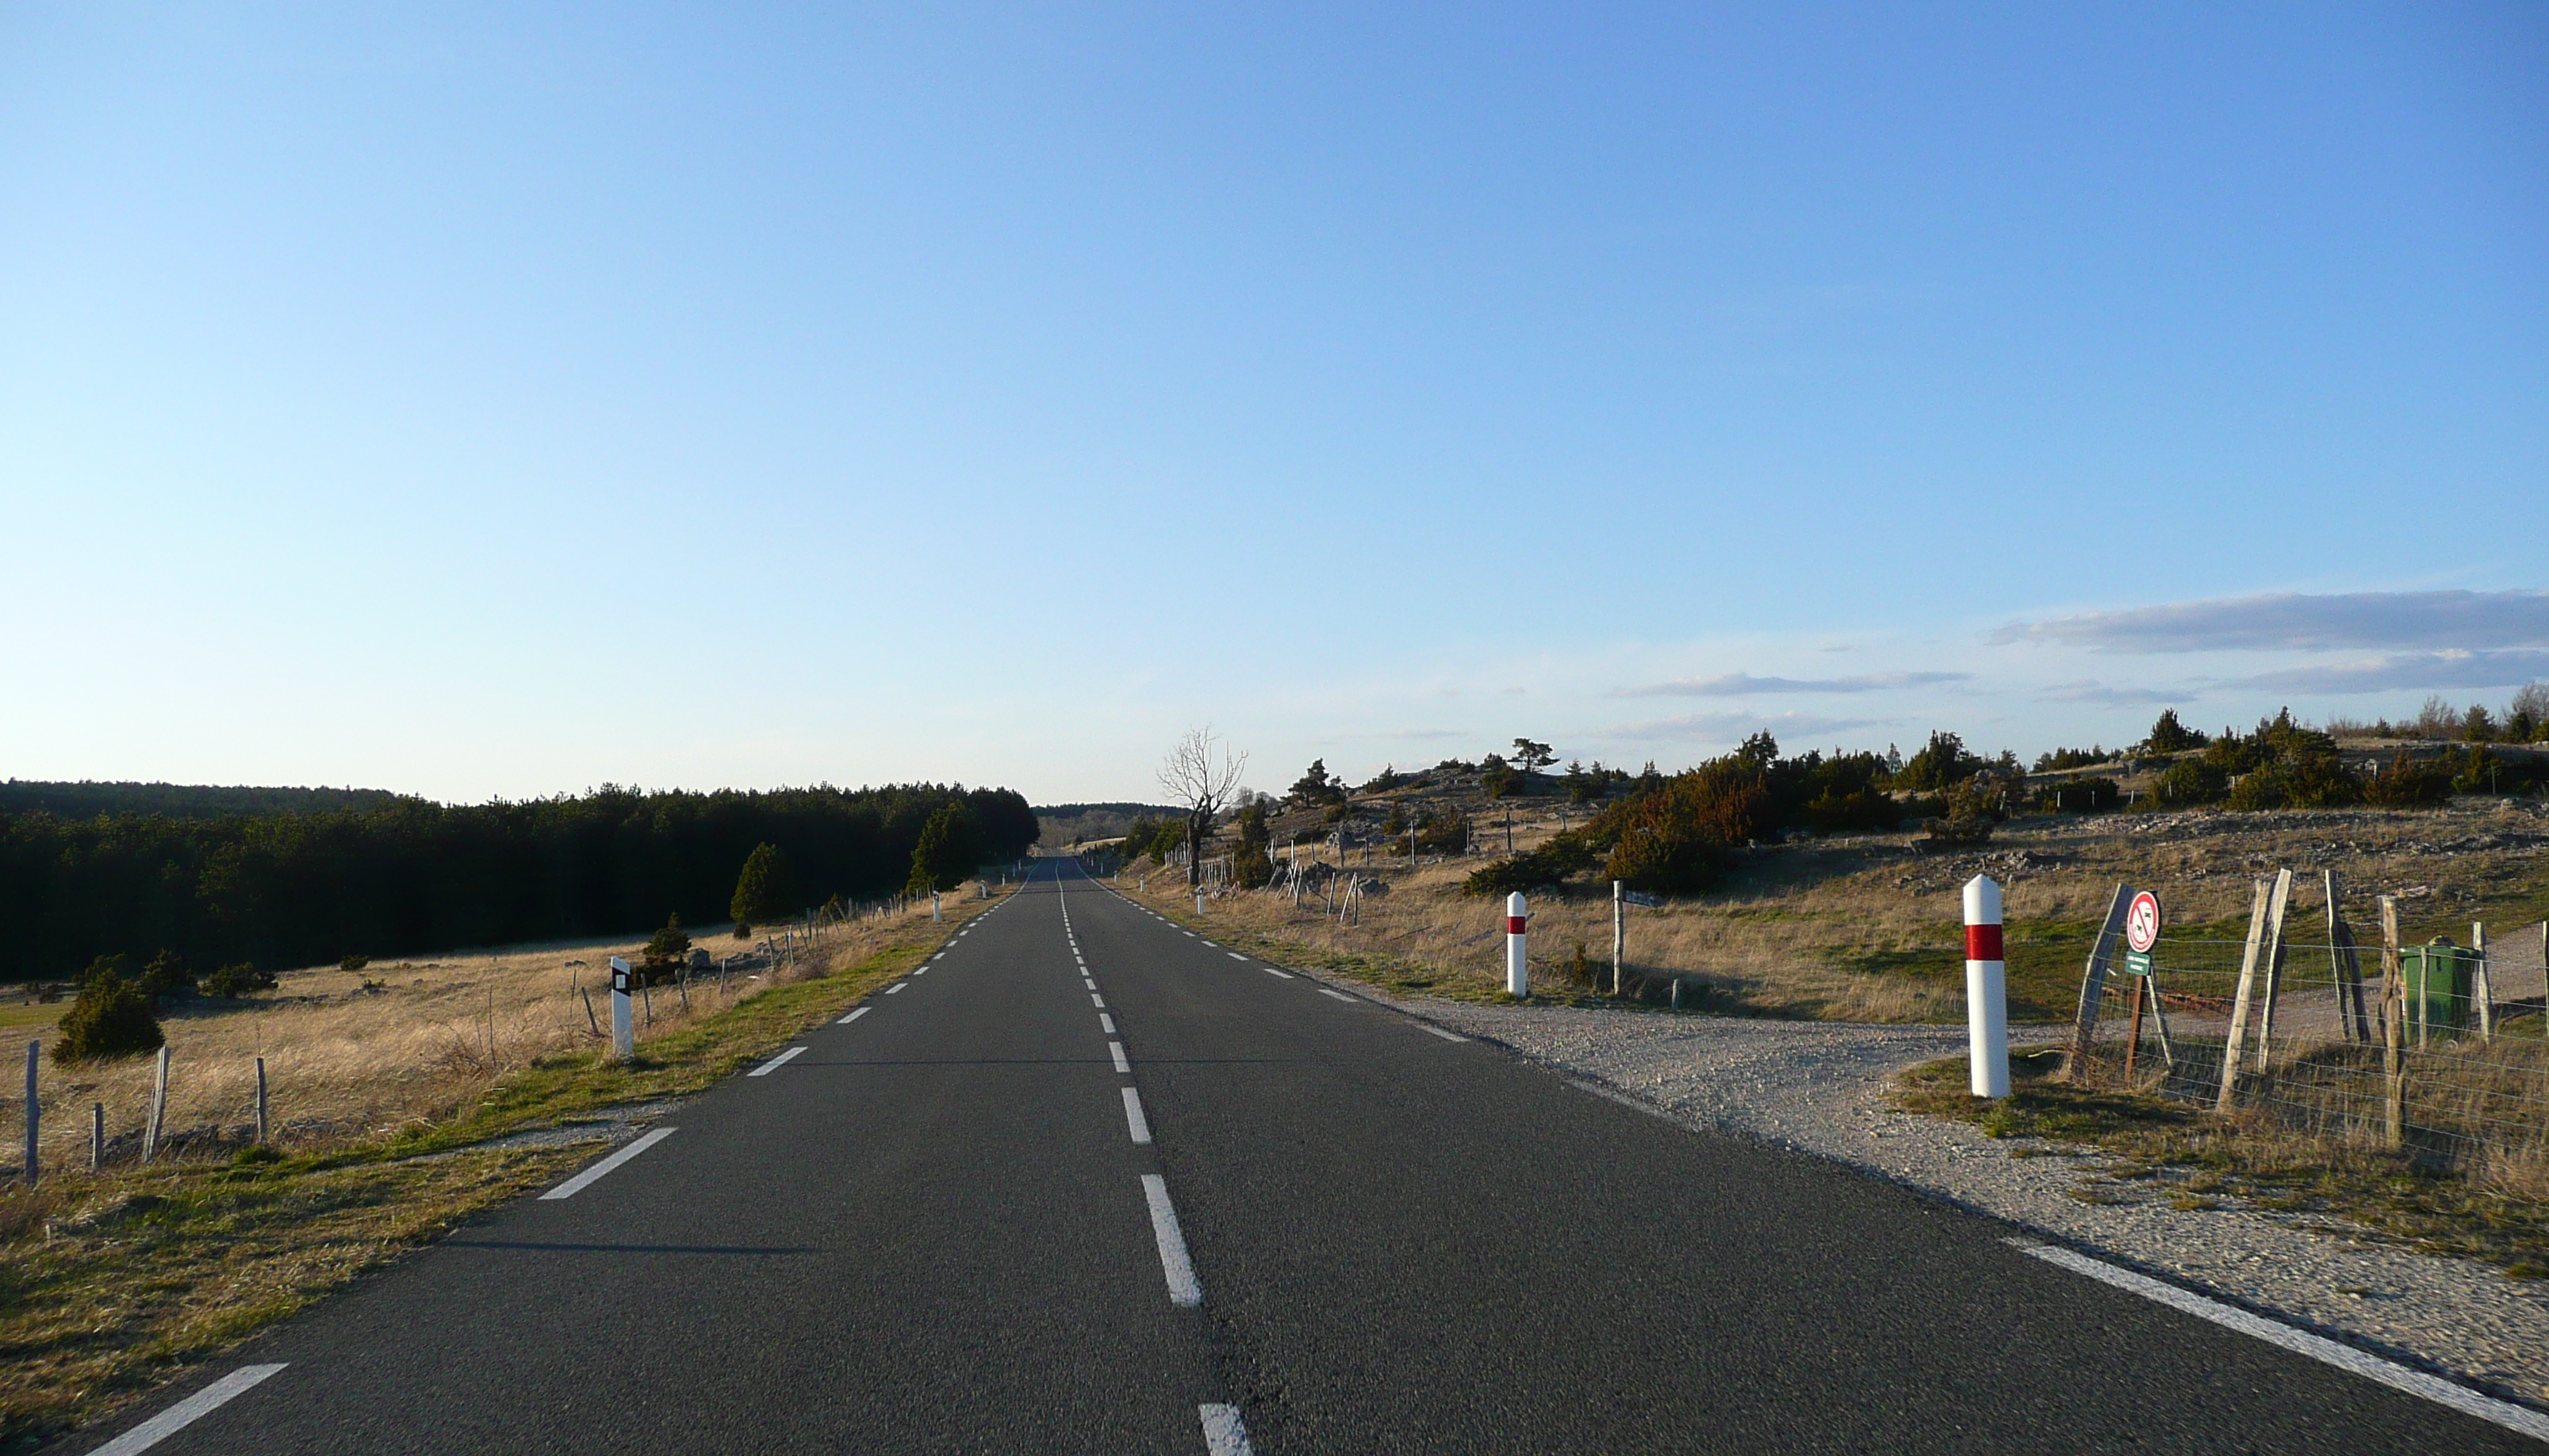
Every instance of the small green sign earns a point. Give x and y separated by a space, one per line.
2137 962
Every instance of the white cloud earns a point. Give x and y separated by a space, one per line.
2091 691
2396 671
1729 728
2291 622
1745 684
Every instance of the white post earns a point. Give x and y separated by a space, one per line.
933 907
1620 937
623 1036
1198 902
158 1109
1517 952
1986 990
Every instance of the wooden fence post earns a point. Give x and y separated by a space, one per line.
2392 1027
2093 984
158 1111
260 1102
96 1136
35 1111
2346 971
2274 967
2482 990
2234 1043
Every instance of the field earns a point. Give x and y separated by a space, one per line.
1869 927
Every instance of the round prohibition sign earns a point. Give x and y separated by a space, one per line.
2141 922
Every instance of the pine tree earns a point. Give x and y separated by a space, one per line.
767 887
949 850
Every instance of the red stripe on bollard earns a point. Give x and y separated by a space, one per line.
1982 943
1514 923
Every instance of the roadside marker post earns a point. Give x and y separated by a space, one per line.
1618 940
623 1036
1517 946
1986 989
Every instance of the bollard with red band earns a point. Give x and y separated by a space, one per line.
1986 990
1517 938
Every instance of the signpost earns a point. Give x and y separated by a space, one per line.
2141 932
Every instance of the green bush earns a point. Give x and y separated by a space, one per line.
2193 781
355 963
2409 782
666 952
167 975
1549 865
111 1018
234 981
2080 796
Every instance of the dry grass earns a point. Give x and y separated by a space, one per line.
1867 927
346 1063
2252 1157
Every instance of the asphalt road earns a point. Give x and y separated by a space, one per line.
934 1230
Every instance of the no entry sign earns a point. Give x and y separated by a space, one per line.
2141 932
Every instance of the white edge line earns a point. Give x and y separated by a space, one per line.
1098 1001
1340 995
1138 1125
1224 1434
1117 1051
1271 970
2300 1341
776 1062
1436 1031
586 1179
896 986
187 1412
1183 1290
1235 955
1106 1022
853 1016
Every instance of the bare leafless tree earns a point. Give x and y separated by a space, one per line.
1202 781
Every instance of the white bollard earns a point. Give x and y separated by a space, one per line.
623 1035
1198 902
933 907
1986 990
1517 952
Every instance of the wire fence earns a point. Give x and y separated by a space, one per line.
2353 1019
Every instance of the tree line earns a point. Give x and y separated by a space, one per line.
409 875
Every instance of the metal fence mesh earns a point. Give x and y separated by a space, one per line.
2435 1048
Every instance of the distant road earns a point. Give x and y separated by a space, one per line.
1090 1183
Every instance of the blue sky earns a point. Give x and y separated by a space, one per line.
501 400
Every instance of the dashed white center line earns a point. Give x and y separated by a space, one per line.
1223 1433
1134 1123
1271 970
776 1062
890 990
1439 1032
1340 995
1183 1290
1098 1001
187 1412
853 1016
1106 1024
592 1175
1117 1051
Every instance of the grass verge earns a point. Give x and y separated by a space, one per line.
2203 1161
112 1283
